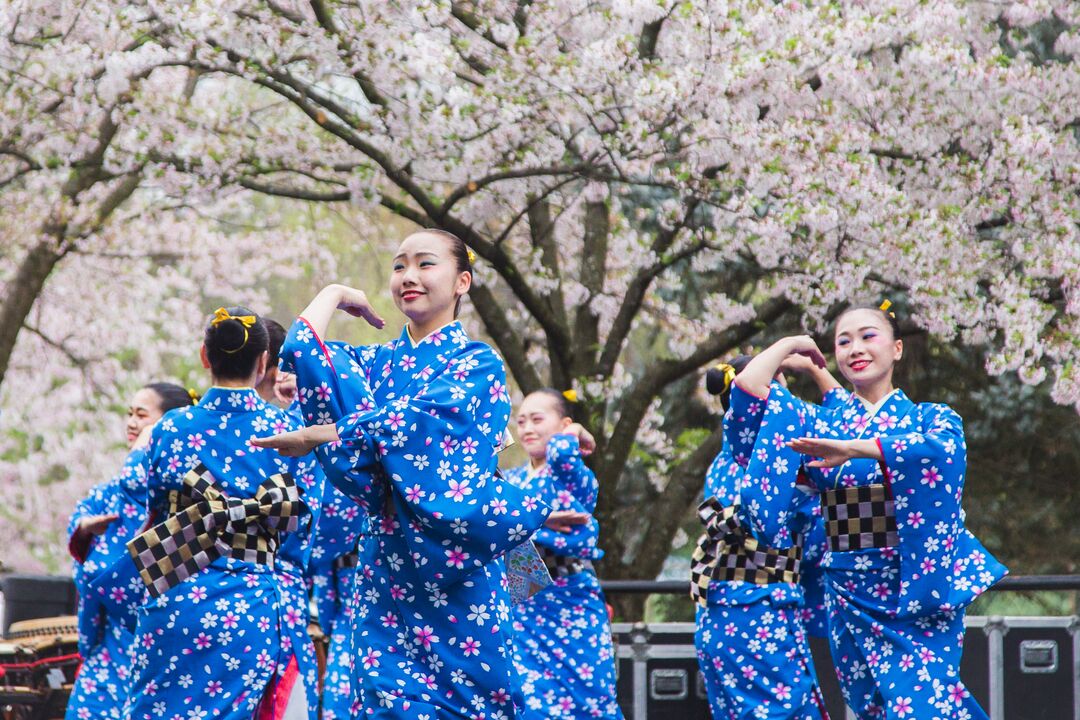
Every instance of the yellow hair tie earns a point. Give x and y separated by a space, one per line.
729 374
884 307
471 255
193 395
570 395
221 315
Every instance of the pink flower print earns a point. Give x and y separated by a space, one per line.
408 362
498 392
906 662
448 445
565 705
323 392
251 402
902 707
263 624
118 594
230 620
498 507
458 490
749 672
885 421
371 659
500 696
414 494
880 591
425 636
469 446
263 660
395 420
861 423
585 671
456 557
916 519
782 691
203 641
213 688
196 441
293 616
931 477
927 566
957 693
397 592
470 647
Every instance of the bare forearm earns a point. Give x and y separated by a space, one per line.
866 449
321 309
756 377
824 380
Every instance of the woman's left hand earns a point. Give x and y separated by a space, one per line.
296 443
831 453
585 439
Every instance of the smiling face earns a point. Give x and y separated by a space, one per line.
538 419
425 282
145 410
866 349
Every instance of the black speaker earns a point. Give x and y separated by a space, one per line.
28 597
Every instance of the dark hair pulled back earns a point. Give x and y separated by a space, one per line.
235 338
563 406
172 395
715 382
459 251
888 316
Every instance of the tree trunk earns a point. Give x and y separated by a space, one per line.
22 293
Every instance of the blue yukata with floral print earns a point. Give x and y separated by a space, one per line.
562 637
107 604
896 608
231 640
420 428
752 639
333 567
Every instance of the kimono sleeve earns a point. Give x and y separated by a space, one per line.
568 467
332 381
438 450
942 565
95 503
741 423
770 492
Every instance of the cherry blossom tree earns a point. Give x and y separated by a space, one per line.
652 184
649 184
109 260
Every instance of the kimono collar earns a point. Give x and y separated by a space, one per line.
229 399
873 409
436 337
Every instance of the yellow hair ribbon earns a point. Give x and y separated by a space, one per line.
884 307
193 395
471 255
570 395
729 374
221 315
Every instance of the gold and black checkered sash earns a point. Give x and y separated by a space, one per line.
204 524
859 518
727 552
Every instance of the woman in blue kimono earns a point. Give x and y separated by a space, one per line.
100 527
562 637
753 615
223 633
410 431
901 567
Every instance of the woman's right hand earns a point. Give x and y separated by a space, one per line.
298 442
96 524
563 521
355 302
586 441
803 346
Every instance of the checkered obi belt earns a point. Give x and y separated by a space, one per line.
726 551
204 524
562 566
858 518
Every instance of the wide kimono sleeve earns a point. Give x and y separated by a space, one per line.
332 381
943 566
774 490
741 423
571 473
95 503
438 450
576 487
